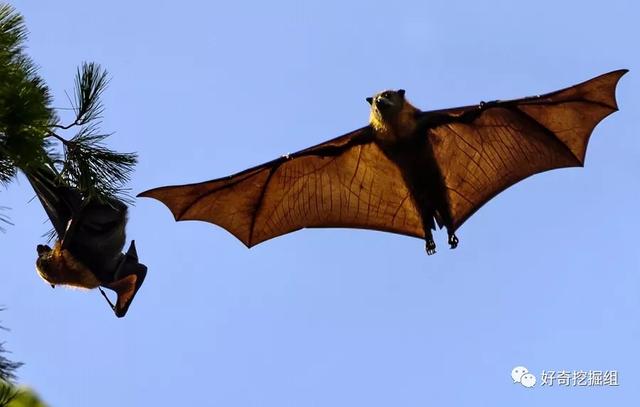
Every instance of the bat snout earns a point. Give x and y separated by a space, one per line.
383 103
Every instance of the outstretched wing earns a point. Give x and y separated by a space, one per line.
512 140
345 182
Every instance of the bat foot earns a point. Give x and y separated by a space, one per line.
453 241
430 247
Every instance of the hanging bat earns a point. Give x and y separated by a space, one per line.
408 171
90 238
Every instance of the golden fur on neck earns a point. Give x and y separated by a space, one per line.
395 126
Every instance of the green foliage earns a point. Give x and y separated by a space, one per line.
25 114
7 367
94 169
4 218
7 393
88 165
31 136
10 396
91 81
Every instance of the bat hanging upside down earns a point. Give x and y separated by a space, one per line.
407 171
88 251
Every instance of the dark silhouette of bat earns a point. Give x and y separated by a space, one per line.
407 171
90 238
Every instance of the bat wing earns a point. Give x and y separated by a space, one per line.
99 226
512 140
345 182
59 202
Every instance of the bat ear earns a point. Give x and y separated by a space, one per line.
370 100
132 252
400 92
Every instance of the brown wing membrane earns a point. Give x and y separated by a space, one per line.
515 139
346 182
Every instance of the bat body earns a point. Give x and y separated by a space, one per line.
90 238
396 126
408 172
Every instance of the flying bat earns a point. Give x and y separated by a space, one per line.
90 238
406 172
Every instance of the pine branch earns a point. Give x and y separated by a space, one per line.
90 83
13 29
94 169
3 218
25 114
28 124
7 170
88 164
7 367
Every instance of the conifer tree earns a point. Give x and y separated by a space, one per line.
33 136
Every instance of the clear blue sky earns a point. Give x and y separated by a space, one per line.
546 275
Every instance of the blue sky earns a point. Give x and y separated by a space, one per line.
546 275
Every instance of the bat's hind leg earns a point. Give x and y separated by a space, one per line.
126 281
453 240
430 245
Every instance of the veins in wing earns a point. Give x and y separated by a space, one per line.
289 179
233 182
492 142
404 199
358 137
306 186
552 135
471 158
350 186
461 195
291 175
258 206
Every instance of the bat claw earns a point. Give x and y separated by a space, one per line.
453 241
430 247
484 105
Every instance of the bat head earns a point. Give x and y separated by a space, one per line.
387 103
45 263
42 249
58 267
